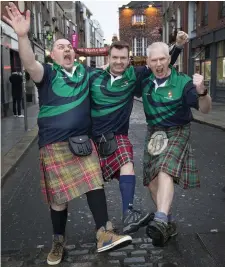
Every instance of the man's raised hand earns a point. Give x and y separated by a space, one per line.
19 23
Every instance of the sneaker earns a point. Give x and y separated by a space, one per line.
20 116
15 116
108 239
134 219
158 231
56 254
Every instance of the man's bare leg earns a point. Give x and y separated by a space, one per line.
165 192
153 188
162 191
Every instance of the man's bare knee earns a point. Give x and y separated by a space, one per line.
153 185
59 207
127 169
164 177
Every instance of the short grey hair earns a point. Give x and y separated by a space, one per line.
158 45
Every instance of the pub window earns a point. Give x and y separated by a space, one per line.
136 19
204 13
220 79
139 46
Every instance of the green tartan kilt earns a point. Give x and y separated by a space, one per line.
177 159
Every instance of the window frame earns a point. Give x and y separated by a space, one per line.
221 13
205 13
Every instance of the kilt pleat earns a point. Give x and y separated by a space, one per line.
177 159
65 176
112 164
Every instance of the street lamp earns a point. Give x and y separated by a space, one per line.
47 26
172 22
47 34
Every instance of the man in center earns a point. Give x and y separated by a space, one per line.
112 92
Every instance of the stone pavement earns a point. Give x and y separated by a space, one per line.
15 140
141 253
215 118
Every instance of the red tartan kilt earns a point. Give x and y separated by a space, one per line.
65 176
112 164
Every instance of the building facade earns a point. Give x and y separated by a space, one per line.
98 42
204 21
50 20
10 60
140 24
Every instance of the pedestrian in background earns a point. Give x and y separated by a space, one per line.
16 80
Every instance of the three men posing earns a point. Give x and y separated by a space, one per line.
69 160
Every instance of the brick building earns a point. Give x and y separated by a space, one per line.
204 21
140 24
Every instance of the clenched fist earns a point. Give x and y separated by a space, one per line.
182 38
198 81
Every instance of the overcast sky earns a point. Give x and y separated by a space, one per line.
106 12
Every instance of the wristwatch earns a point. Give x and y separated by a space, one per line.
204 93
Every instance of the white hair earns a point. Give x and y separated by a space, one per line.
158 46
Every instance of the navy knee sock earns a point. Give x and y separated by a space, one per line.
127 188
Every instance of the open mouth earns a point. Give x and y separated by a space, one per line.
67 58
159 71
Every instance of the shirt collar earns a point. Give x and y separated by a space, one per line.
57 67
124 74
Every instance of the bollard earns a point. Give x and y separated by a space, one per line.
25 101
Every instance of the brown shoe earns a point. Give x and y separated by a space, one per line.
56 254
108 239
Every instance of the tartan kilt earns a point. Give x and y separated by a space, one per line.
177 159
112 164
65 176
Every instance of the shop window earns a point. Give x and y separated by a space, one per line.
220 79
203 65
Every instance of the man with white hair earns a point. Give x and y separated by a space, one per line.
168 97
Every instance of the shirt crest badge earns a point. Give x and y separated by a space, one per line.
170 95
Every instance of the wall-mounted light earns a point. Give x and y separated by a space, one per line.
126 6
82 58
149 5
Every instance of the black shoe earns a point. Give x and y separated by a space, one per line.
172 226
134 219
172 229
159 232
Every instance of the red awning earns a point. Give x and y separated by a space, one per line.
91 52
